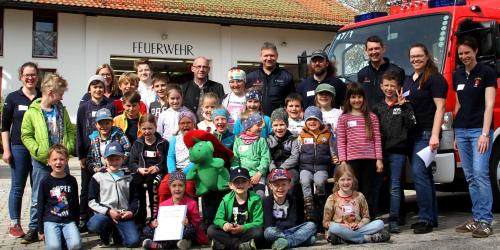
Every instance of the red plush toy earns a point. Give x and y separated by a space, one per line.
220 151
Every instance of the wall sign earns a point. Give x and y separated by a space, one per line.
176 49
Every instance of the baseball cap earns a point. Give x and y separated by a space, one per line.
113 148
239 173
279 174
319 53
103 114
325 87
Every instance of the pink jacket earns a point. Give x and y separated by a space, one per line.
193 215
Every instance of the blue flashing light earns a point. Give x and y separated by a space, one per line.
368 16
442 3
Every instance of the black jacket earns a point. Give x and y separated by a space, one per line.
371 78
191 93
395 121
274 87
309 84
286 223
136 159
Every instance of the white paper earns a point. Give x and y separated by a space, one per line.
170 225
427 155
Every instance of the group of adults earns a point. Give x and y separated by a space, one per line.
426 89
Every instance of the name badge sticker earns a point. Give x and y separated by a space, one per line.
407 93
243 148
149 153
351 124
308 141
22 107
310 93
460 87
93 113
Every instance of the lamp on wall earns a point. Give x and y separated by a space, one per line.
284 44
164 36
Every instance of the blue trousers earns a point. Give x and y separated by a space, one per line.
102 225
295 236
356 236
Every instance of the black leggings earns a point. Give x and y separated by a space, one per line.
150 184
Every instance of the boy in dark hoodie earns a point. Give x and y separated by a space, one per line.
85 125
148 161
396 118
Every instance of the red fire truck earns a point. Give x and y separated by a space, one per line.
437 24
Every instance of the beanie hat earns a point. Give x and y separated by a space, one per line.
236 74
313 112
253 118
280 114
220 112
253 95
176 176
187 114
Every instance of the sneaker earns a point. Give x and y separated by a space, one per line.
280 244
82 227
466 227
311 241
184 244
16 231
30 237
217 245
103 242
382 236
150 244
249 245
422 228
394 227
483 230
335 239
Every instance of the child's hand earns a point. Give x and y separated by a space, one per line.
115 215
154 223
152 170
41 237
354 226
185 221
83 163
227 227
125 215
237 229
256 178
142 171
401 97
380 166
335 159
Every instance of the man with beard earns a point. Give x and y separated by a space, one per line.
194 89
273 82
322 71
370 76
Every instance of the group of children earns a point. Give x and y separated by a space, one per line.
126 152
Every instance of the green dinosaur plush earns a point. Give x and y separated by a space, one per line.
208 172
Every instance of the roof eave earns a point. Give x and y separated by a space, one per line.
171 17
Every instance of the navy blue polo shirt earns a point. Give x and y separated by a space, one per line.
470 89
14 107
307 88
422 100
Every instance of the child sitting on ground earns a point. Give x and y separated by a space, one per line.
113 199
346 217
239 219
192 229
282 227
58 208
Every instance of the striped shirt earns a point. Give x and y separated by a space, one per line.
358 146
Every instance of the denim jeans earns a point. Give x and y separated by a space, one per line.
20 168
40 170
319 178
355 236
396 163
295 236
476 170
102 225
424 181
53 232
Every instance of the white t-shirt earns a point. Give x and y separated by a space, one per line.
332 117
148 95
168 122
295 126
234 105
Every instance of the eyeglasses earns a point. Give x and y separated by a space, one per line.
30 75
201 67
105 75
417 56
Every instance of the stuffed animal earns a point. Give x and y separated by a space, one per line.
208 172
220 151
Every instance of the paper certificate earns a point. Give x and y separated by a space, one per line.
427 155
170 225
